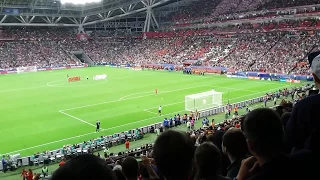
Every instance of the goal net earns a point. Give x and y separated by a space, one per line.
203 101
27 69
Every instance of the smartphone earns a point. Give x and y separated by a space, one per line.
313 92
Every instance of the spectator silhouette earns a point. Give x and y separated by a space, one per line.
84 167
173 154
208 162
119 175
130 168
265 139
305 115
234 145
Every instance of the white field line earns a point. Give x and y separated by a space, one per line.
164 92
255 92
65 85
238 89
74 117
74 137
35 87
225 101
151 112
135 97
18 89
151 94
77 118
146 92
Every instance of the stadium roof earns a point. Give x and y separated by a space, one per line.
54 13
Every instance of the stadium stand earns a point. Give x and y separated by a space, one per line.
271 140
244 52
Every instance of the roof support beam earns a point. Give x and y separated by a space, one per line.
131 12
39 24
4 18
57 20
32 18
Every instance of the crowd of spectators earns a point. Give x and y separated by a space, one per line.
273 52
221 10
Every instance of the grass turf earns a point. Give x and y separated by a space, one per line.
42 111
149 138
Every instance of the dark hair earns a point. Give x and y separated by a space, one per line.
130 167
216 138
285 118
143 171
208 160
84 167
263 127
173 153
235 142
119 175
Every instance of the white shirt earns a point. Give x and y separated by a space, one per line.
188 124
160 108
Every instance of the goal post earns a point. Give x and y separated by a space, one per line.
203 101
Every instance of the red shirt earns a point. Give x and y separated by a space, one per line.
24 174
62 163
30 175
237 126
127 143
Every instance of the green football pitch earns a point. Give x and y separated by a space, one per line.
42 111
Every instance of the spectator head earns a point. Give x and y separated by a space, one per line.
119 175
130 168
314 61
234 144
84 167
208 160
264 132
285 118
216 138
173 154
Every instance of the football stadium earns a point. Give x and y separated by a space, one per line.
132 89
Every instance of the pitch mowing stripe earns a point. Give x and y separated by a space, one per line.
19 89
61 140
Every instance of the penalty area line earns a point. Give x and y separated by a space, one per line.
150 112
77 118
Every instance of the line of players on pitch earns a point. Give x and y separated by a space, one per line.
69 76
